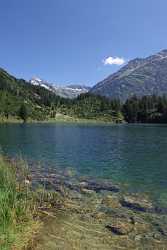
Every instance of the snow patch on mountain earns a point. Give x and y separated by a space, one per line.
68 91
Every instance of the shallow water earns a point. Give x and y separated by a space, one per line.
133 155
99 221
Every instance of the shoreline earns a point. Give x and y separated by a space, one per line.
52 121
73 121
123 219
84 213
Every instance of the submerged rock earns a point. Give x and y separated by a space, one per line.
69 172
111 201
161 227
99 215
160 210
87 191
99 186
137 203
120 227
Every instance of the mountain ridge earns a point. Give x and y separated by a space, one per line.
140 76
69 91
21 100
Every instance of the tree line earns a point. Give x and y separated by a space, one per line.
22 100
147 109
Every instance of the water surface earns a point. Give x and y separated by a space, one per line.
134 155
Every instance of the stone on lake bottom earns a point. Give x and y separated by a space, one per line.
137 203
98 186
120 227
111 201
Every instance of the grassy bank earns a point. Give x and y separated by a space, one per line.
60 118
75 214
17 207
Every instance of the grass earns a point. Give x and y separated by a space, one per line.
60 119
17 207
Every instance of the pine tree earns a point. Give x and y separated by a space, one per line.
23 112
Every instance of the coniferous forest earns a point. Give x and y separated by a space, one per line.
148 109
22 100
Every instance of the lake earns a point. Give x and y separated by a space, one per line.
133 155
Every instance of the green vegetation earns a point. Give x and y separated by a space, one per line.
17 207
23 112
91 107
14 93
148 109
22 204
21 101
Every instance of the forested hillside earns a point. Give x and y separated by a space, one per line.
89 106
20 99
16 92
148 109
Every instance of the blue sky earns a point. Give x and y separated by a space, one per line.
68 41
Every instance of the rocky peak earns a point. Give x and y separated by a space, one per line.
140 76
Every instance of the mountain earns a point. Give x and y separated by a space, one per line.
140 77
38 101
14 92
38 82
69 91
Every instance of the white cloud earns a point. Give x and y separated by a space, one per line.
113 61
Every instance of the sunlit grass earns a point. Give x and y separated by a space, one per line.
17 206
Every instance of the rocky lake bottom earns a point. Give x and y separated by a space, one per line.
107 183
95 214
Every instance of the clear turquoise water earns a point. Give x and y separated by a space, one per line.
135 155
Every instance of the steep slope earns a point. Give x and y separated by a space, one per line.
41 103
139 77
69 91
14 92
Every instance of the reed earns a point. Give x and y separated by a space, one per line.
17 206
